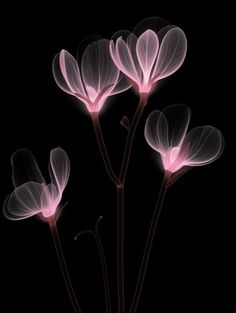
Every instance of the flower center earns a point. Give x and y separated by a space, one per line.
92 93
172 160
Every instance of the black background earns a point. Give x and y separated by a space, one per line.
192 259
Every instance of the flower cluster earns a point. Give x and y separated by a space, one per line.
109 67
138 60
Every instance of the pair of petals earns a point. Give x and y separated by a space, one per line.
32 195
166 132
147 59
96 79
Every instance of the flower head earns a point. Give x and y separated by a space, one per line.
166 132
151 56
32 195
94 80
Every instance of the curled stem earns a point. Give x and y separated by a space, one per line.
102 257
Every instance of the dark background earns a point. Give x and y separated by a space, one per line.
192 263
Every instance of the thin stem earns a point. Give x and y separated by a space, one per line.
120 204
104 272
148 245
130 137
64 270
103 149
120 249
98 241
119 182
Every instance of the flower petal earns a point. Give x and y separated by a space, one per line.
171 55
67 74
50 199
122 58
205 144
121 85
178 117
98 69
146 49
25 168
132 44
59 168
156 131
24 201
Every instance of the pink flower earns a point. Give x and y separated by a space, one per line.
32 195
166 132
151 56
95 80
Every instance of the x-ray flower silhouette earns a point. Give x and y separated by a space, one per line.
95 80
166 132
32 195
151 56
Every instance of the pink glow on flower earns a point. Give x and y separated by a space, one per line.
95 80
166 132
150 57
32 195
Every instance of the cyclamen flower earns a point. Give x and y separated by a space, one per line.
95 80
32 195
150 57
166 132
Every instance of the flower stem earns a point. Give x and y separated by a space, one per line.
119 182
103 149
120 249
64 270
149 243
120 204
129 141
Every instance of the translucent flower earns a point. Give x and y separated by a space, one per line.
95 80
32 195
166 132
151 56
